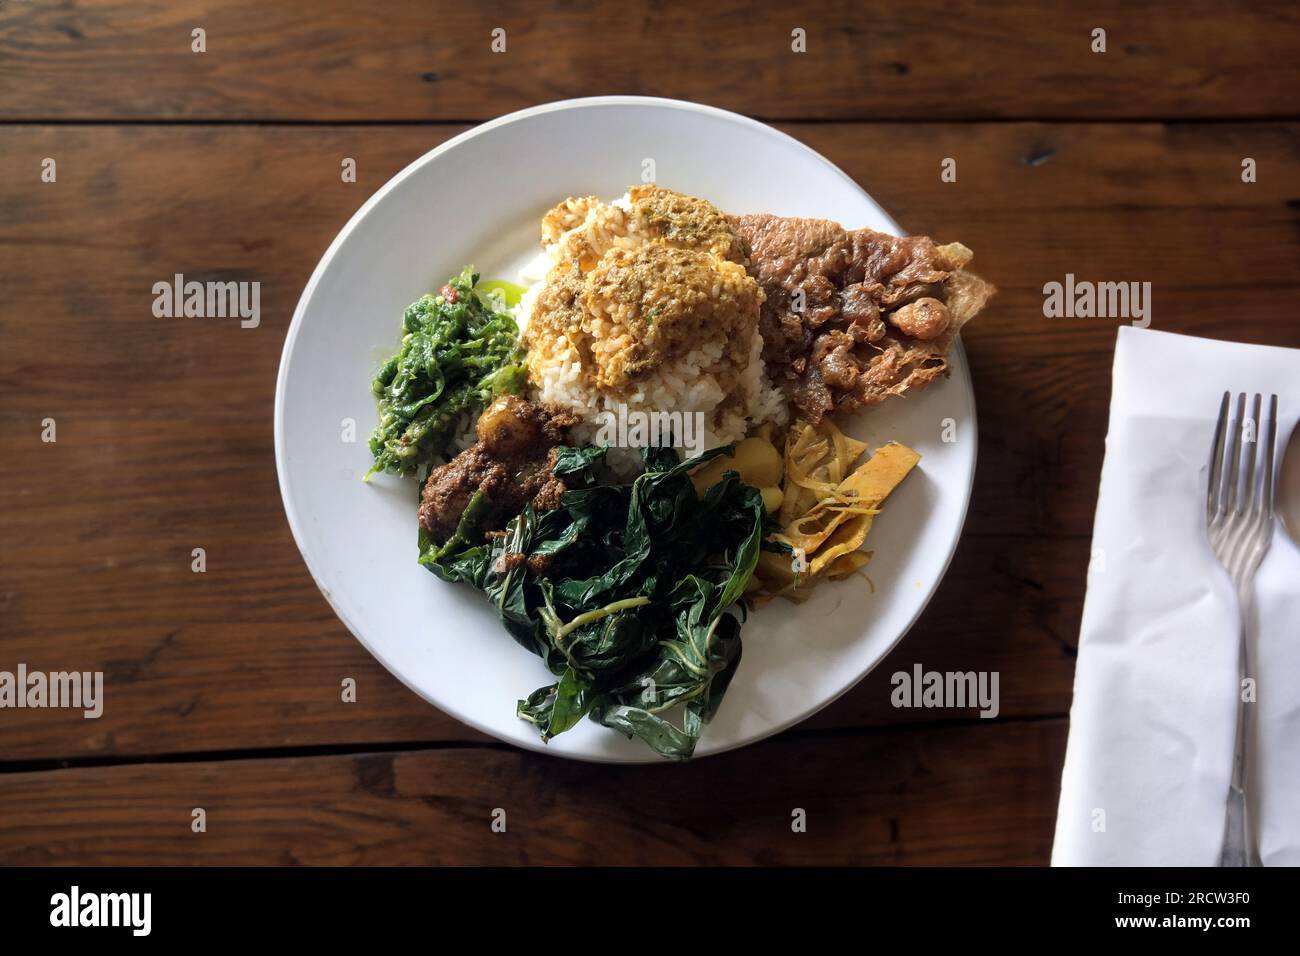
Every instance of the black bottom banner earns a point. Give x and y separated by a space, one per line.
335 906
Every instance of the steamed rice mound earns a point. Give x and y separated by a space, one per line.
648 302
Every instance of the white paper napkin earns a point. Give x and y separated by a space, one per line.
1155 688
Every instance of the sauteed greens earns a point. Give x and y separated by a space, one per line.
626 591
457 353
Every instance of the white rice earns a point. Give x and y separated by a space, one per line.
682 385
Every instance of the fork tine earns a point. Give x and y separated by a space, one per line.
1249 495
1216 462
1269 449
1234 462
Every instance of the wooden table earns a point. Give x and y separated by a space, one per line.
223 688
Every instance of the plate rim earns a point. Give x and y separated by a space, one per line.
295 327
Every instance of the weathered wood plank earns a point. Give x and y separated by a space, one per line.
406 60
198 667
970 795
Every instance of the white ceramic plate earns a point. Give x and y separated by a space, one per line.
478 199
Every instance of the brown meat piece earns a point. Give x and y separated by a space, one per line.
511 464
852 318
924 319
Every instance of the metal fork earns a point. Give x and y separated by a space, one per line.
1239 525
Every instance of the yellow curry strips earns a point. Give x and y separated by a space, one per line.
827 508
822 500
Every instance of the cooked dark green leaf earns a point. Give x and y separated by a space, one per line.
577 466
636 610
455 357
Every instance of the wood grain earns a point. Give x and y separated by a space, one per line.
204 670
223 688
964 795
165 424
339 61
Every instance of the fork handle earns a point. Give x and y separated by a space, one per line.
1234 837
1240 843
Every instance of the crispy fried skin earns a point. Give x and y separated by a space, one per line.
851 318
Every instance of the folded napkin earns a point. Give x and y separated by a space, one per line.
1155 688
